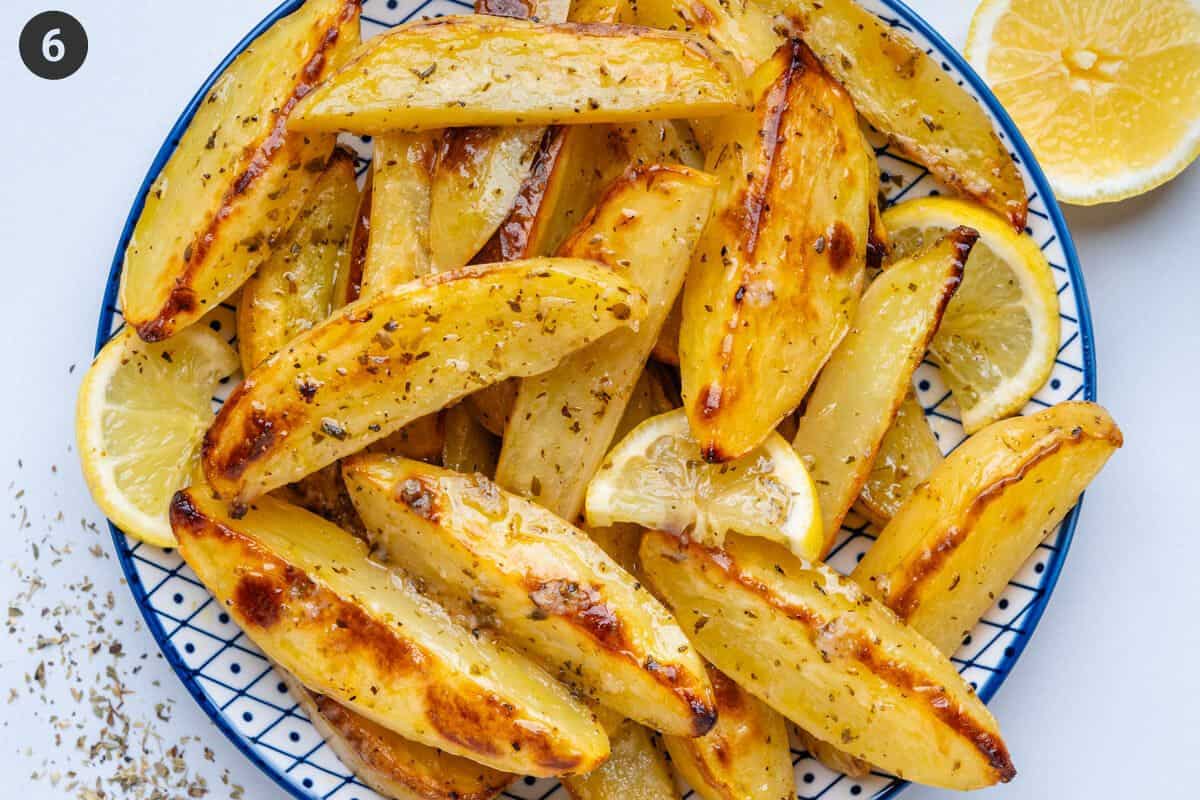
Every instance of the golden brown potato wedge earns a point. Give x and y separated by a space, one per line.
398 244
237 178
907 95
324 494
382 362
907 456
479 173
776 278
349 282
745 756
856 398
422 439
645 225
492 406
294 289
812 645
309 595
390 764
554 594
474 70
468 446
740 28
480 170
636 770
961 536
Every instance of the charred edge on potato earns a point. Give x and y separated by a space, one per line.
273 591
360 240
902 593
864 650
183 298
511 239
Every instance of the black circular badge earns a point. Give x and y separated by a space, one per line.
53 45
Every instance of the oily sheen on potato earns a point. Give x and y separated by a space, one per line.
384 361
238 177
777 275
309 595
553 592
475 70
811 644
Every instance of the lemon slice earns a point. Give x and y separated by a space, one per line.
142 412
999 336
1106 93
656 478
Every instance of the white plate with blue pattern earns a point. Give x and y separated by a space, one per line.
233 682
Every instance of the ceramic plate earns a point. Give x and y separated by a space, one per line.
236 686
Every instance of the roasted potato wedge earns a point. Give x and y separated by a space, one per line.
777 276
479 173
383 362
459 71
744 757
739 28
860 390
812 645
563 420
907 95
958 539
492 406
310 596
398 247
349 282
423 439
238 178
390 764
481 170
324 494
907 456
554 593
468 446
636 770
294 289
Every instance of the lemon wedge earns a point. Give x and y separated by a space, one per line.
1107 94
999 336
141 414
656 478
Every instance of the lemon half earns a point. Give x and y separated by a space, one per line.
1106 93
998 339
656 478
142 412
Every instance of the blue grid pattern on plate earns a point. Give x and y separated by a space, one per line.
238 688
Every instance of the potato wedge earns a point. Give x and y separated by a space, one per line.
907 456
383 362
636 770
294 289
481 170
745 756
860 390
324 494
468 446
422 439
777 276
907 95
563 420
390 764
492 406
459 71
237 178
309 595
349 283
740 28
554 594
961 536
809 643
398 248
479 173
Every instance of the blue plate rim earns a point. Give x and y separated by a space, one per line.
909 18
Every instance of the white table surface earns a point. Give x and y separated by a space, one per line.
1100 705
